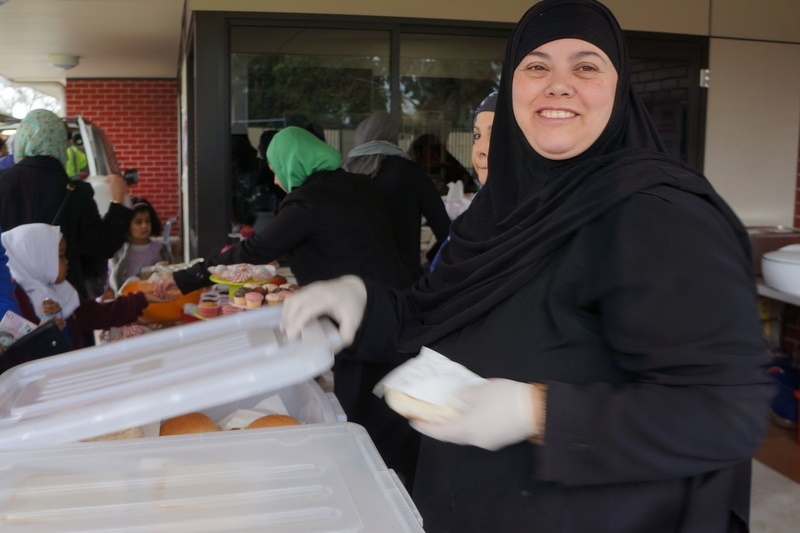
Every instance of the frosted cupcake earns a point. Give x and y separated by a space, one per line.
253 299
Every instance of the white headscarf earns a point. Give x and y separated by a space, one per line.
32 251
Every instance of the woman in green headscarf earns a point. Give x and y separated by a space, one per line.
331 223
37 189
294 156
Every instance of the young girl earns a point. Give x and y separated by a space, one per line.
38 264
139 251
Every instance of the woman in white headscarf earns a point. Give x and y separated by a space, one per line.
38 264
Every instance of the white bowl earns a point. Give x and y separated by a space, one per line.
781 269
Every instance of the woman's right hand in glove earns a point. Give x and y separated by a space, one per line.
342 299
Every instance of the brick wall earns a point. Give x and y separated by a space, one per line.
140 118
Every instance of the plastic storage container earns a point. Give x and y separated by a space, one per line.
316 477
781 269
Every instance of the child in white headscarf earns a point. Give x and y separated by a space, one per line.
38 264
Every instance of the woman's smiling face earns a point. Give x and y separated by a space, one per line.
563 95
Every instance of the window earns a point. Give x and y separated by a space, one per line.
333 71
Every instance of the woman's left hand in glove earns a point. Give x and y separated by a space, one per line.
497 413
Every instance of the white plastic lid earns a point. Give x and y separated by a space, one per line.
130 383
787 254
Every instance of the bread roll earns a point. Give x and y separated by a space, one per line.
188 423
416 409
269 421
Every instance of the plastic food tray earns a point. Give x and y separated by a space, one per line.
322 476
130 383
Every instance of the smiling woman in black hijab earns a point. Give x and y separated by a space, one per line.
605 291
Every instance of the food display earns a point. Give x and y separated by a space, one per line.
242 273
251 296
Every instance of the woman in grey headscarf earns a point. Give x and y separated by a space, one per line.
408 191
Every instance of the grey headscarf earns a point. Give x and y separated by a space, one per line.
375 138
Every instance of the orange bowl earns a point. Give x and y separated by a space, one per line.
162 312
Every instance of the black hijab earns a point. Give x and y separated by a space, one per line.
531 205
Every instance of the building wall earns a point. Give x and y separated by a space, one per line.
140 117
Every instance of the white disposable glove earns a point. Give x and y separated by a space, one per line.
343 299
496 414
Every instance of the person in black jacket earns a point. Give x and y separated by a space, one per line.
604 290
37 189
409 193
331 223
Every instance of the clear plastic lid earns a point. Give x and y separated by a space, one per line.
130 383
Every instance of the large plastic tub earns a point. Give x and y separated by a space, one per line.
314 478
321 476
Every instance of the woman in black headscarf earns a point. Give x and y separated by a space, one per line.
605 290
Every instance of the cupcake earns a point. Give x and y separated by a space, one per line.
228 309
238 296
254 299
270 287
208 309
209 297
274 298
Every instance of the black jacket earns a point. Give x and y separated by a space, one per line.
410 195
644 328
32 191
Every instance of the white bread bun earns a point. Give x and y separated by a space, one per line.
269 421
188 423
416 409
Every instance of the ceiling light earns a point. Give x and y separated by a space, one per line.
63 61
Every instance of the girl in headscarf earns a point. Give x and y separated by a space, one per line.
331 223
408 192
37 189
38 263
605 290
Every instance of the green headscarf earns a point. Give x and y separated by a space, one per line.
41 132
295 154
